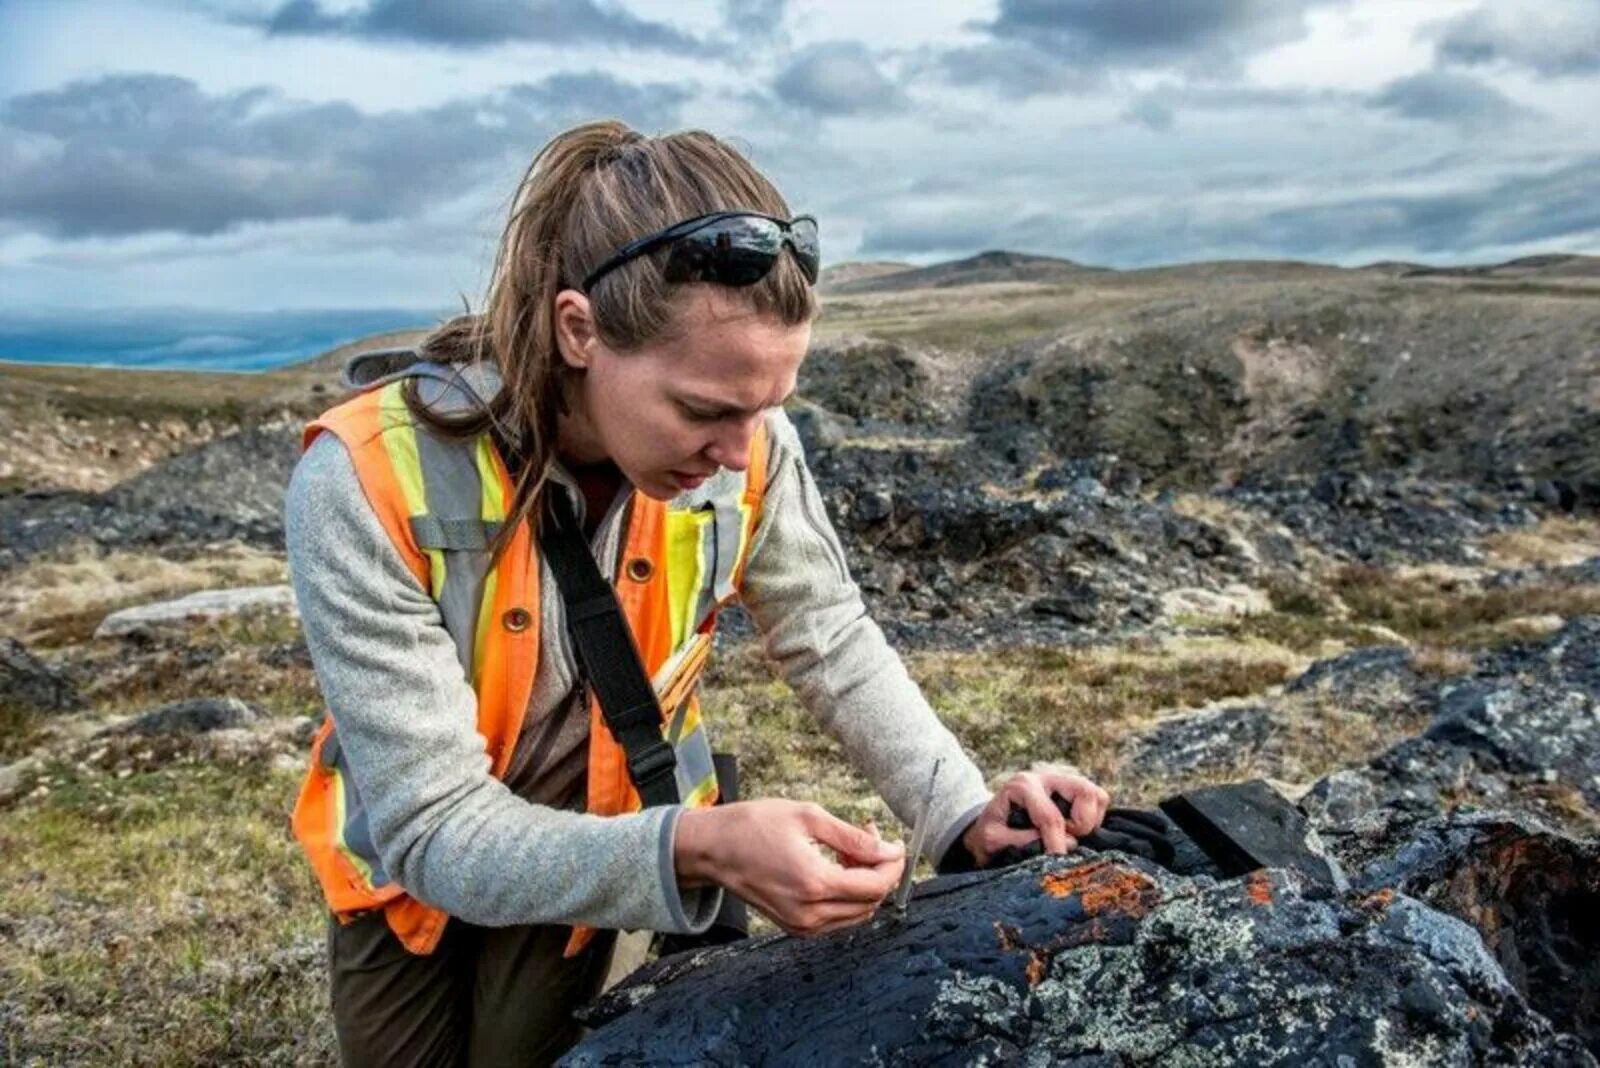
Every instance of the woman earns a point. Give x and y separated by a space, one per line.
471 815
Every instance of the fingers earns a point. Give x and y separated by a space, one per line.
857 845
861 884
1089 802
1029 790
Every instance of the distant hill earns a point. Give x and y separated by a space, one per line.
1548 266
985 267
855 270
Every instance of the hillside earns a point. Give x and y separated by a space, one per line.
1338 528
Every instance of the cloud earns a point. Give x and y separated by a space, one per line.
1533 207
1448 97
755 20
484 23
1560 38
1152 111
836 78
1160 107
1015 69
127 154
1042 46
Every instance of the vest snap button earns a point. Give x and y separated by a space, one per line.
640 569
516 619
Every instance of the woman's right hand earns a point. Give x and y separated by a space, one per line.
767 853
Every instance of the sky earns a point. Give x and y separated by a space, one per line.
199 174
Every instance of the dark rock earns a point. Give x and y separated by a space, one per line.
26 682
1080 961
1208 739
196 716
1360 669
1532 894
1076 604
228 489
1247 826
1558 493
1529 729
1343 490
819 429
869 378
872 506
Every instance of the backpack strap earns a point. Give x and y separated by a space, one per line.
608 656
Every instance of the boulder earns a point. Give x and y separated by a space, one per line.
1531 893
1214 738
205 605
27 682
1092 960
198 716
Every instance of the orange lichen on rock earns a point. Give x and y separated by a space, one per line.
1037 962
1379 900
1103 886
1258 886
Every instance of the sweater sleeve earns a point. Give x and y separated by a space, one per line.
815 627
449 832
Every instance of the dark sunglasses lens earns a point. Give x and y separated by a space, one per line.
807 246
732 252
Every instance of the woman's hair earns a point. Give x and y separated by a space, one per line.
589 191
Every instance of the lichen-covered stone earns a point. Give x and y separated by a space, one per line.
1532 894
1084 961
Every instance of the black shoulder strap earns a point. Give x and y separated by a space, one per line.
607 655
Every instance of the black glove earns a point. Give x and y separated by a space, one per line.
1134 831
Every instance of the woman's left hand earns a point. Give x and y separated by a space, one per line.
1032 789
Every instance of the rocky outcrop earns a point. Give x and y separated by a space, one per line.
866 378
27 683
205 605
228 489
1526 720
195 716
1532 894
1094 961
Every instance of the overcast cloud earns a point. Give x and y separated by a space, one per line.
250 155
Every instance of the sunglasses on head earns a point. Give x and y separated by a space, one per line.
730 248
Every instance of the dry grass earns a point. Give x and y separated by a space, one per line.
161 918
53 602
1444 610
1009 709
1558 541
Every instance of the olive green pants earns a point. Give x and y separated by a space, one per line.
486 996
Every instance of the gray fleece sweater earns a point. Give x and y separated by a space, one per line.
457 838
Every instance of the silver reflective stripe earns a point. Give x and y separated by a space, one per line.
464 533
356 830
730 528
454 492
695 768
709 537
358 835
719 554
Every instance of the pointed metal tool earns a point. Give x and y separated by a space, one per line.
919 837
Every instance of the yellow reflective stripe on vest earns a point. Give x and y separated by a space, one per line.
492 510
400 441
687 535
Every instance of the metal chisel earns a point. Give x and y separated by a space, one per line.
919 836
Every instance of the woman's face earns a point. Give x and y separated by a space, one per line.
672 412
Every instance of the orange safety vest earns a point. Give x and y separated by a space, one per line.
442 500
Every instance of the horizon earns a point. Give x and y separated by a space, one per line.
228 157
221 340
